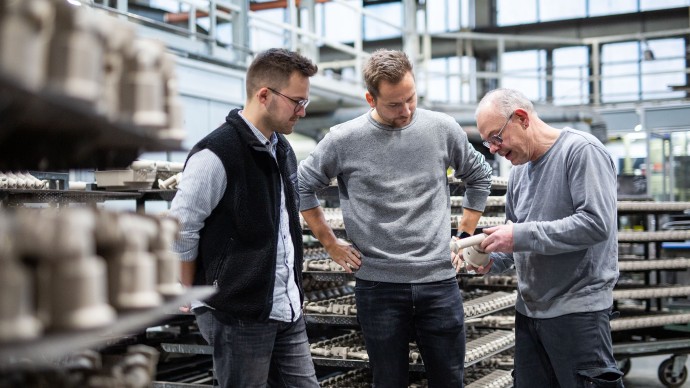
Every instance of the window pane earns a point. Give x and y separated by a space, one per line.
646 5
620 52
611 7
375 29
443 15
265 38
619 71
335 16
516 12
659 75
571 84
524 71
556 10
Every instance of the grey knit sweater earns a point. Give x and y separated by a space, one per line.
565 234
394 193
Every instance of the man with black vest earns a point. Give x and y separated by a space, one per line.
241 233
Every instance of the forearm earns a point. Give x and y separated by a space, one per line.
502 262
316 220
187 269
469 221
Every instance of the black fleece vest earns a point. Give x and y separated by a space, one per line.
239 240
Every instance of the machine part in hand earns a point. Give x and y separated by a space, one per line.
472 253
475 256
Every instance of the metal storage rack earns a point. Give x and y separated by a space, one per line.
46 132
647 325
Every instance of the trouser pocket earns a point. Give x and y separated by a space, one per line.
600 378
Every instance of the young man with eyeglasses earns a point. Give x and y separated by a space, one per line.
391 165
238 206
561 200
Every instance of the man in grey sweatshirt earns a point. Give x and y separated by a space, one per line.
561 200
390 164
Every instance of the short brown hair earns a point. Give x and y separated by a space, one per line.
274 67
385 65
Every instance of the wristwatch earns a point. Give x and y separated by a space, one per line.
463 234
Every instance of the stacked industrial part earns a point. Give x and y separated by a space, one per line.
79 268
94 60
142 174
351 350
22 180
136 368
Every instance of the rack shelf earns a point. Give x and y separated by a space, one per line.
17 196
42 131
52 346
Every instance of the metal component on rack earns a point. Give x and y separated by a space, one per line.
668 235
138 367
496 181
141 178
640 322
344 305
25 30
170 183
484 222
18 319
494 280
645 206
143 93
491 201
78 278
648 265
489 344
167 262
70 279
348 346
15 181
76 54
174 129
132 272
489 303
496 379
494 321
118 35
655 292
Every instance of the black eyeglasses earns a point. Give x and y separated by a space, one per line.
496 139
299 104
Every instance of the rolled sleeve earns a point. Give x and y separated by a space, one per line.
316 172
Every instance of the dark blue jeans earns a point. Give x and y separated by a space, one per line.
392 314
570 351
258 354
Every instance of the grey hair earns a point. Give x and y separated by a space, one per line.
505 101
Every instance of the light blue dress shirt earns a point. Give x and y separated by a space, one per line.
199 192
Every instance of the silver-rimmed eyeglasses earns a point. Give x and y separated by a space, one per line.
496 139
299 104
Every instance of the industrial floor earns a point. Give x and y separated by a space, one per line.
643 373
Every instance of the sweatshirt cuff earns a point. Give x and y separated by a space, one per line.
475 200
522 240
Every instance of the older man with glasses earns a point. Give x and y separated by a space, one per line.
562 241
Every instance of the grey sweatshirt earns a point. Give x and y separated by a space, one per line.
565 234
394 193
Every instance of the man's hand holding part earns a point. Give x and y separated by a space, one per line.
469 251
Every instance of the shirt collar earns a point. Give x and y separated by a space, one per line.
260 136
